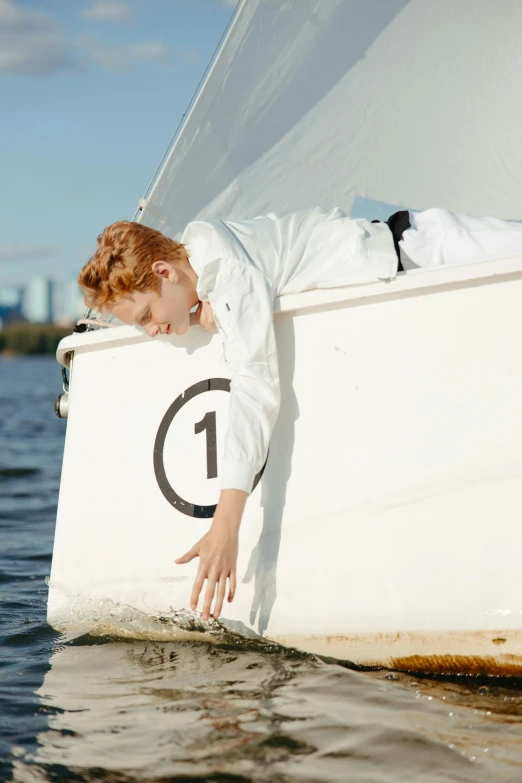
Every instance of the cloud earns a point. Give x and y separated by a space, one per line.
124 56
103 11
31 42
26 252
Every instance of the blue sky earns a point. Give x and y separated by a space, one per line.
90 94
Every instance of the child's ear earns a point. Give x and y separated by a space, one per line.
165 270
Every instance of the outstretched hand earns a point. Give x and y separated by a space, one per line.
203 316
217 552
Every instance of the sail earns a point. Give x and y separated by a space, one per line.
406 103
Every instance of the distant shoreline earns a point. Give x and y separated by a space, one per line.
26 339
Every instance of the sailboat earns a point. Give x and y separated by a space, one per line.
385 529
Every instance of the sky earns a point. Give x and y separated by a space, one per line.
91 92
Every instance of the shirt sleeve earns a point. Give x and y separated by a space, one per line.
242 300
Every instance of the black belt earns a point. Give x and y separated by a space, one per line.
398 223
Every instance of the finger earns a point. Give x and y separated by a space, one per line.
218 606
188 556
232 586
209 595
207 317
196 590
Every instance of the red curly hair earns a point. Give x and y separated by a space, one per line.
123 262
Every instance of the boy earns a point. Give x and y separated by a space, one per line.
237 268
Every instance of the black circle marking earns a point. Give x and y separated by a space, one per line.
190 509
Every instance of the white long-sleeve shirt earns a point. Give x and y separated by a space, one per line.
242 265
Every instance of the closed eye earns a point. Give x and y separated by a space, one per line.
144 318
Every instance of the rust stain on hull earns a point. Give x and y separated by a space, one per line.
496 653
501 666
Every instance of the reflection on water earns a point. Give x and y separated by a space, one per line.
147 711
144 710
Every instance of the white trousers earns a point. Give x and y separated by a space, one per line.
439 237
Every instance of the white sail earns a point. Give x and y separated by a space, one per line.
411 103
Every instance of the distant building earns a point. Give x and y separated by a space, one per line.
70 306
11 300
38 300
74 304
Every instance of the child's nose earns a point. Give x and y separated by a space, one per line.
152 330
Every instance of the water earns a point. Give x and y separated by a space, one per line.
138 711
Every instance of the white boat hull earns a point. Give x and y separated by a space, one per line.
386 528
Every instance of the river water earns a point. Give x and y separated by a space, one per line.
138 711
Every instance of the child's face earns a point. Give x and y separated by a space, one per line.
166 312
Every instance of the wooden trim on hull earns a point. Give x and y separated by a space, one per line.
485 653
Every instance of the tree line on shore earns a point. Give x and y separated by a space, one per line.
26 338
